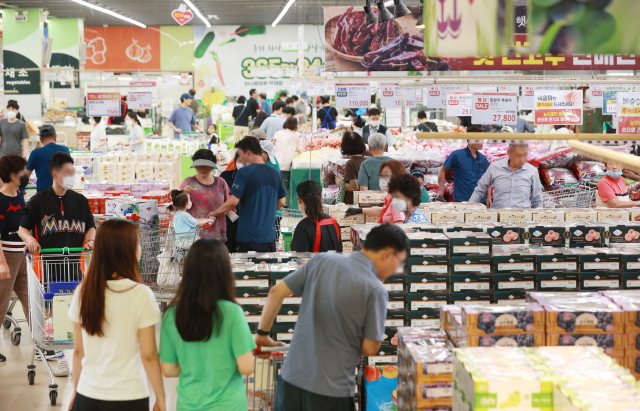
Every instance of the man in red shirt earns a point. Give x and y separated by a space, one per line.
612 189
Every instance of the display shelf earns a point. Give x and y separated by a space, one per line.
503 138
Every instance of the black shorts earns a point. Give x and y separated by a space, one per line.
291 398
82 403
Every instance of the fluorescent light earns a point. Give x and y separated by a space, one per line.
388 3
109 12
282 13
195 10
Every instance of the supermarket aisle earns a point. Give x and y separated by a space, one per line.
17 394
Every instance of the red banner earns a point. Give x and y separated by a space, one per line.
122 48
550 62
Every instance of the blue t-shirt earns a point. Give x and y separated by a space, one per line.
39 161
184 222
266 106
466 172
182 118
259 187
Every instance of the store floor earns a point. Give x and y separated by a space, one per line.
17 394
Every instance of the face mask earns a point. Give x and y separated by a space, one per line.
239 165
399 205
189 205
68 182
24 181
614 174
128 123
92 122
11 114
374 124
384 183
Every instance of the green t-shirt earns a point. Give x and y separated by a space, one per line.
425 195
275 165
209 377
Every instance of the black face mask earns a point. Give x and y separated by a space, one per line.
24 181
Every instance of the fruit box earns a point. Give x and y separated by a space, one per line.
601 280
547 216
472 264
633 365
515 281
480 216
631 262
251 296
283 332
503 320
396 318
541 297
252 313
631 314
472 282
558 262
576 215
612 344
470 243
518 340
288 314
632 344
515 216
612 214
369 198
427 364
429 282
472 298
397 283
631 281
428 265
594 316
601 262
428 244
252 279
429 395
511 296
629 234
515 263
581 236
457 228
506 235
444 217
386 355
546 235
428 299
390 336
397 301
424 318
447 312
558 281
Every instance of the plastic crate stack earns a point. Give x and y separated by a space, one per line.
629 301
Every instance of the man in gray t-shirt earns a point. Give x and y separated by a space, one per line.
342 317
14 137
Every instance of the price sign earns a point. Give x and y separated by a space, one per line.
144 87
494 108
596 92
393 117
528 92
509 89
330 88
628 113
139 101
353 95
558 107
483 89
391 96
609 102
437 95
169 82
103 104
419 96
316 88
459 103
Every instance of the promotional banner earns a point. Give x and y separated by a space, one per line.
597 91
528 95
67 35
558 107
391 96
22 52
494 108
102 104
124 48
459 103
628 113
353 95
437 95
176 48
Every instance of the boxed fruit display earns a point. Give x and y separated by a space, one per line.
574 215
428 244
428 265
472 264
546 235
472 282
466 243
515 216
577 235
472 298
480 216
628 233
611 344
428 300
602 280
613 214
590 315
518 340
429 282
557 260
369 198
503 320
445 217
514 259
510 296
546 216
506 234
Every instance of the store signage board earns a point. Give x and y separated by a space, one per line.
316 88
167 107
101 104
181 15
437 95
393 117
558 107
459 103
139 100
528 92
509 89
483 89
419 96
494 108
628 113
353 95
610 102
330 88
145 86
391 96
597 90
169 82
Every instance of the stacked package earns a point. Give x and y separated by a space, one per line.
345 223
629 301
130 167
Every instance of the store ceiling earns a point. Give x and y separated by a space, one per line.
158 12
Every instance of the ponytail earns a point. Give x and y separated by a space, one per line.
310 192
179 199
133 116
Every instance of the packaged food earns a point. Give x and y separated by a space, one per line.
555 178
597 315
588 170
503 319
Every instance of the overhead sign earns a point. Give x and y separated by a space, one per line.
437 95
558 107
391 96
459 103
596 92
139 101
144 87
494 108
628 113
353 95
610 101
182 15
103 104
316 88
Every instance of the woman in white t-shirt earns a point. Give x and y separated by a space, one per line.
98 137
136 135
114 317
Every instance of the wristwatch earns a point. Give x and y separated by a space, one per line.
262 333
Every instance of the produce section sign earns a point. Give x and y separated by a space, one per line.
139 101
353 95
494 108
558 107
122 48
391 96
103 104
459 103
596 92
628 113
610 102
437 95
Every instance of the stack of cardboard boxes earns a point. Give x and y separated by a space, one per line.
128 167
629 301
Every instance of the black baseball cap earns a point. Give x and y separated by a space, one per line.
47 130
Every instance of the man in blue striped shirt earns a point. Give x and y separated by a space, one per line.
516 183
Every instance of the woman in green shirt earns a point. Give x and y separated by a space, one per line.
424 198
205 339
269 154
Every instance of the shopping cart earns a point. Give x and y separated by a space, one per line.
52 272
261 385
581 196
287 218
16 334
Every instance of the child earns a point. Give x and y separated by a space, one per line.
184 224
212 131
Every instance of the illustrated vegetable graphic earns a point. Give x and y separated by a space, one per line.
204 45
512 401
134 51
244 31
233 40
218 66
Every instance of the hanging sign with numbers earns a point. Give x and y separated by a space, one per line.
494 108
353 95
103 104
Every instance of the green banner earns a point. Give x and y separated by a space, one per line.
176 48
22 43
67 37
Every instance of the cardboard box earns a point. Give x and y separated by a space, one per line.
631 281
370 219
506 235
369 198
613 214
628 233
428 244
252 279
612 344
128 157
428 300
251 296
510 296
424 318
444 217
480 216
347 247
126 167
163 167
558 262
597 316
428 265
284 332
472 282
603 280
288 313
521 340
585 216
503 320
469 243
149 156
540 215
146 210
545 235
515 281
472 298
429 282
472 264
108 167
601 262
515 216
396 318
582 236
558 281
110 158
515 263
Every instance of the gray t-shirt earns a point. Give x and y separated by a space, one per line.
12 135
301 108
369 171
343 302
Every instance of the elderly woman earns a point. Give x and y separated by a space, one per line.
406 192
208 193
612 189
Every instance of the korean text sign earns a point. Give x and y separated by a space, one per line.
558 107
437 95
139 100
391 96
459 103
353 95
628 113
103 104
494 108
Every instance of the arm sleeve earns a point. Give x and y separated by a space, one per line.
193 118
23 132
28 217
605 191
240 338
390 139
190 220
363 178
481 188
449 162
149 313
297 279
350 172
183 185
283 191
168 352
536 192
376 315
528 127
300 241
239 184
172 118
32 161
74 307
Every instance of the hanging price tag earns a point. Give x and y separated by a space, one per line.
353 95
330 88
494 108
436 96
609 102
528 101
597 91
316 88
103 104
391 96
140 101
558 107
459 103
628 113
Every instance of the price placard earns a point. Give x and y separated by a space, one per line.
145 87
509 89
483 89
597 91
609 102
391 96
459 103
353 95
393 117
528 95
103 104
558 107
628 113
140 100
494 108
437 95
330 88
316 88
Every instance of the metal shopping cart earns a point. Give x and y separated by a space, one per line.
261 385
51 273
16 334
581 196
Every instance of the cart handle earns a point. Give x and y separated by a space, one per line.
64 250
266 350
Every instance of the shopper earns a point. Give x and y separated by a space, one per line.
290 101
182 119
183 222
260 118
207 193
274 123
612 188
327 115
342 317
287 144
19 116
424 125
368 177
283 96
353 146
424 194
288 112
98 137
357 125
269 154
241 114
387 213
40 157
374 126
14 138
252 103
212 133
232 224
195 105
136 133
259 190
523 126
114 317
516 183
468 165
301 108
13 264
406 193
264 104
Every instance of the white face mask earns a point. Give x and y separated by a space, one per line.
68 182
129 123
92 122
11 114
399 205
239 165
384 183
189 205
374 124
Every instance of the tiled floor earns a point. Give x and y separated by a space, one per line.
17 395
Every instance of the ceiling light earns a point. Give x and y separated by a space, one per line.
383 13
400 9
197 12
388 3
109 12
282 13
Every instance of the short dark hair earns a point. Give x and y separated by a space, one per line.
279 105
263 96
310 192
408 185
9 164
192 92
58 160
289 110
242 99
13 104
283 94
352 144
384 236
295 97
214 126
97 119
290 100
422 114
291 124
374 112
396 167
253 90
324 99
204 154
474 129
251 144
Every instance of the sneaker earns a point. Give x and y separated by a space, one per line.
3 358
63 368
50 355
